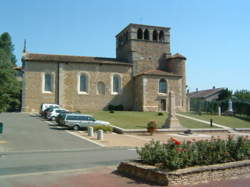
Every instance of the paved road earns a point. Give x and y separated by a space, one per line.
24 132
33 162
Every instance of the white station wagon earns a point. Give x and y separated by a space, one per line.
76 121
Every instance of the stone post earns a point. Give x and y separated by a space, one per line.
90 131
229 111
100 134
230 106
219 111
171 121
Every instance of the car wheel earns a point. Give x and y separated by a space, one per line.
53 118
76 127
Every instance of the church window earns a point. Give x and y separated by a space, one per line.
83 83
155 35
146 35
48 82
161 36
162 86
139 33
100 88
116 82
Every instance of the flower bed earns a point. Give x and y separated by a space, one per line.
174 154
175 162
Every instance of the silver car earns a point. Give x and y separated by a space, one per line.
76 121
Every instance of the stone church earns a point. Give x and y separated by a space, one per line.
139 78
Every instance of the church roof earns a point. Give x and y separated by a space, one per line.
178 55
158 72
70 58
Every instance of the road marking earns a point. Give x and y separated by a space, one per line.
132 149
79 136
3 142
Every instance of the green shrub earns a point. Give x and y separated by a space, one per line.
115 107
105 128
151 127
174 154
160 114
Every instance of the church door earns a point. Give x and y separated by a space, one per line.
163 105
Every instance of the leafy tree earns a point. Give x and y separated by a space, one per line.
242 95
8 48
225 94
9 86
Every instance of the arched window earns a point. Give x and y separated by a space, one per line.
101 88
155 35
163 86
83 83
48 82
146 35
139 33
116 84
161 36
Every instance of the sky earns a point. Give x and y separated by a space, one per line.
214 35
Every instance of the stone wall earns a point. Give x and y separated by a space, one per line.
190 175
92 101
151 96
33 95
65 86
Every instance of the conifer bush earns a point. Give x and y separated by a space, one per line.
173 154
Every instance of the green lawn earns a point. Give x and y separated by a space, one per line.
230 121
138 120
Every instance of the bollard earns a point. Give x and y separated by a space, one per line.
90 131
100 134
1 127
211 122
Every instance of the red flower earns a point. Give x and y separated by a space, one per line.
176 141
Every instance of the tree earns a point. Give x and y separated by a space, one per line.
9 86
8 48
242 95
225 94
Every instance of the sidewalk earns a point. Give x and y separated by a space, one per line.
98 177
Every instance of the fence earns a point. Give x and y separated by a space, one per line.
239 106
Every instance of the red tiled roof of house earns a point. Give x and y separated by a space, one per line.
204 93
70 58
158 72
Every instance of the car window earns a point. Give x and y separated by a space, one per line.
91 119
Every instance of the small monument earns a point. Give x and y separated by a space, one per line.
229 111
219 111
172 122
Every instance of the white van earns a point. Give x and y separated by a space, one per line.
45 106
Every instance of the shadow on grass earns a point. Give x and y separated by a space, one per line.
245 118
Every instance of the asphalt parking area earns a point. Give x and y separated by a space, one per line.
26 132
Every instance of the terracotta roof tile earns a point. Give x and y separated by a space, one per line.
69 58
158 72
204 93
178 55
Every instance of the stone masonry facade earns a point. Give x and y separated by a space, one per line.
139 78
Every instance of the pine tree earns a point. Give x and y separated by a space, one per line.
8 48
9 86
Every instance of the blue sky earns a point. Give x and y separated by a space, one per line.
214 35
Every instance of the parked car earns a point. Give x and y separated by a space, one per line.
50 109
43 107
77 121
54 113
